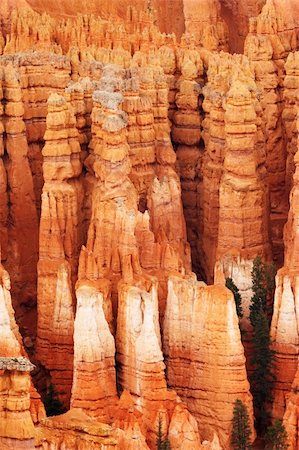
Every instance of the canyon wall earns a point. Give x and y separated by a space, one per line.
141 164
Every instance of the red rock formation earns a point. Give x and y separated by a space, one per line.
141 366
20 249
290 418
285 337
10 338
186 134
40 74
289 114
75 429
285 322
15 379
183 430
102 171
203 20
232 123
243 197
94 383
127 418
198 316
16 426
267 50
60 242
236 14
3 187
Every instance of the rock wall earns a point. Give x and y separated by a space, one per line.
284 327
208 380
128 158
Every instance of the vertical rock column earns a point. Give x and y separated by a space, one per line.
20 404
220 67
16 426
141 136
272 36
204 354
186 134
243 230
22 246
59 244
3 183
289 115
141 364
94 382
109 252
285 321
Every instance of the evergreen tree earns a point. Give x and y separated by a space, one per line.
238 300
270 272
263 357
241 433
52 404
262 377
276 436
162 444
159 440
259 299
263 286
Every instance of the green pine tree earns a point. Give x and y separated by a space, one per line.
263 287
262 377
162 444
259 299
241 433
159 440
276 436
263 357
238 300
270 273
52 404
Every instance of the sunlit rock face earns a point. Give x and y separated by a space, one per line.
145 150
191 326
284 327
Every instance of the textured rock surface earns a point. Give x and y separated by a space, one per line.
232 133
75 430
16 426
204 355
20 405
121 149
59 244
94 383
20 242
285 323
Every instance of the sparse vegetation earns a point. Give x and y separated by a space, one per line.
162 442
263 362
237 296
241 433
276 436
52 404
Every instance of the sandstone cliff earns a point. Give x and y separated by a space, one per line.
135 167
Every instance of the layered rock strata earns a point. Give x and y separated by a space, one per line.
20 244
16 426
60 242
94 382
186 135
284 327
209 379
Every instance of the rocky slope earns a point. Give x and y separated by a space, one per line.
139 160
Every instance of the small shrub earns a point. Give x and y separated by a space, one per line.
276 436
52 404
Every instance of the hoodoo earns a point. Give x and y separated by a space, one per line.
148 159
